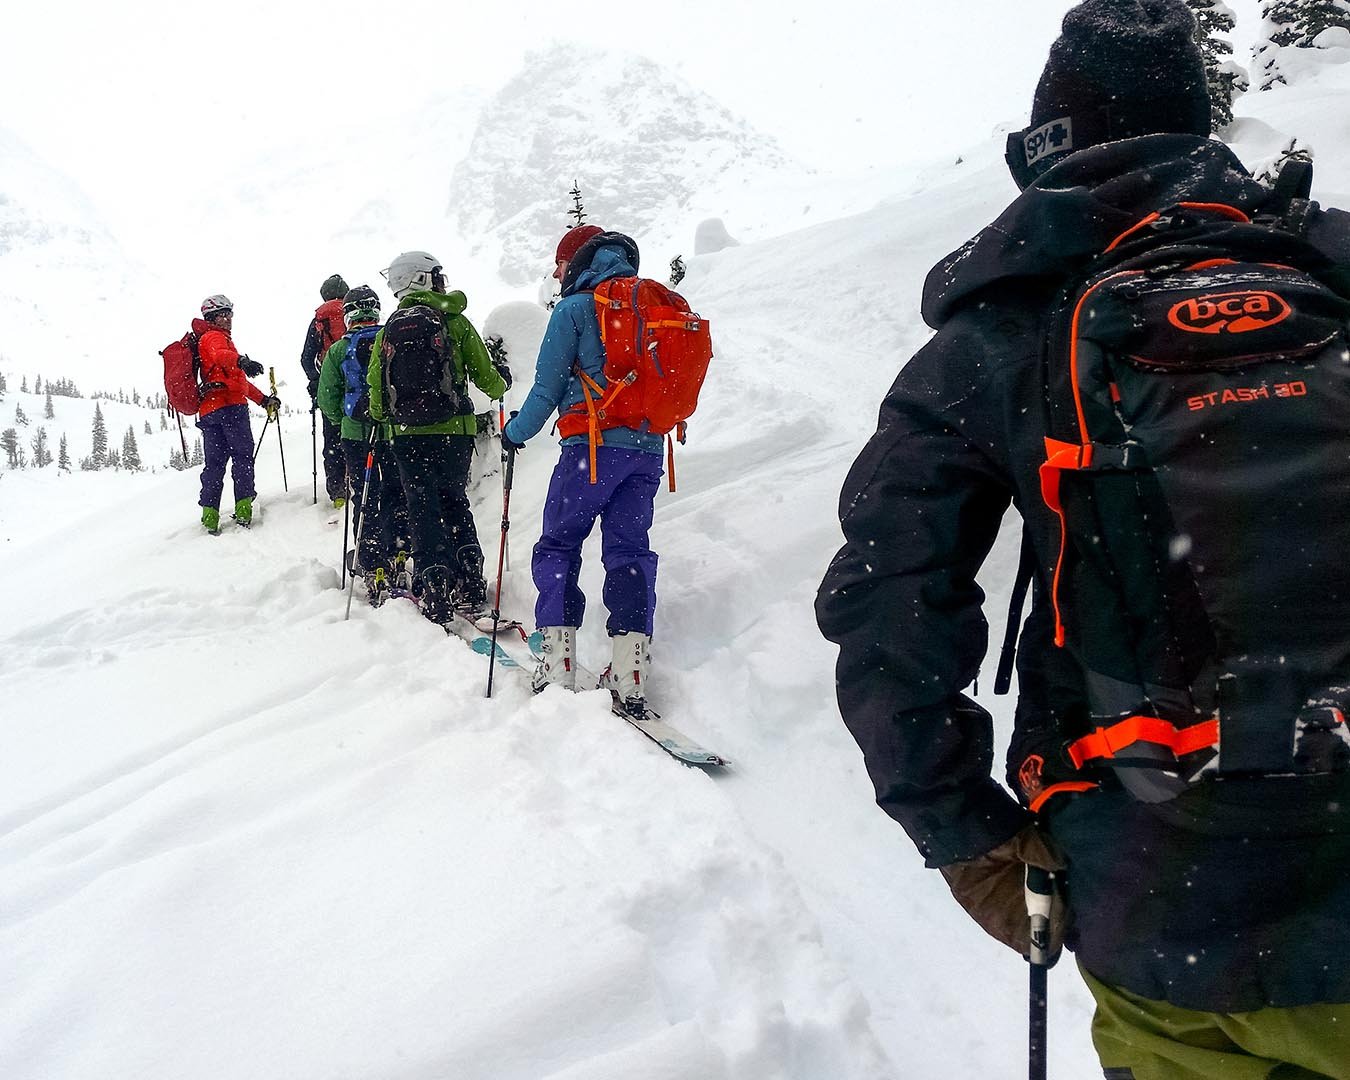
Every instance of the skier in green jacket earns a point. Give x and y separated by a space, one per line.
419 373
343 398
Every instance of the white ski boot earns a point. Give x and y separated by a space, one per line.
557 660
626 676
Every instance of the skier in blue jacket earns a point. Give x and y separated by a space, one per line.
628 472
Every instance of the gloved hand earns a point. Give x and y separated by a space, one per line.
361 410
991 889
504 370
205 388
509 443
251 368
313 388
271 403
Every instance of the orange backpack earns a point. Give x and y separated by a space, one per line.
656 356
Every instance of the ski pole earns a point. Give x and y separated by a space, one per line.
272 374
181 437
262 435
360 519
509 457
501 426
346 521
1039 889
314 446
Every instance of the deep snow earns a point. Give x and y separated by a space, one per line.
241 837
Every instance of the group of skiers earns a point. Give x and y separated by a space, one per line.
399 435
1145 354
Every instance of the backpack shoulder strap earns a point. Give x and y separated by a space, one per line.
1290 203
1026 567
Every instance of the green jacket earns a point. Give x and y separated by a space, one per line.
470 358
332 389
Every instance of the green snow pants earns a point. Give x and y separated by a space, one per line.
1139 1039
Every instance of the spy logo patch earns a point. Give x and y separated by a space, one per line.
1049 138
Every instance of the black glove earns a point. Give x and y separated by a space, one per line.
251 368
361 410
313 388
504 370
509 443
271 403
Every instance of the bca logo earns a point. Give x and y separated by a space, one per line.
1229 313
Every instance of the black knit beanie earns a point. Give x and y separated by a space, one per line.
1121 68
333 288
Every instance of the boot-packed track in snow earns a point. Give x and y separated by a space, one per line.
240 836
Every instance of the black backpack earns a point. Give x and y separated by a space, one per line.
419 375
1197 387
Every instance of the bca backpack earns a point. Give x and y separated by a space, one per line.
182 366
1198 400
657 353
355 361
419 377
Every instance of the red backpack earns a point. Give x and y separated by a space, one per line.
332 325
656 357
181 366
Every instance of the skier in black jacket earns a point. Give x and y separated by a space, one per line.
1210 956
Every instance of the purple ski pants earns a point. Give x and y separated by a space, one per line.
226 436
622 498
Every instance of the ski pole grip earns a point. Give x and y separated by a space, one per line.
1039 895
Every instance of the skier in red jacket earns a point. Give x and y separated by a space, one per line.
223 418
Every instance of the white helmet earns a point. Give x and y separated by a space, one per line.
216 305
414 270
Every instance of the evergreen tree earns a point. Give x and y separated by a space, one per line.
1214 18
3 384
114 459
163 421
177 460
42 455
37 385
20 417
131 453
63 456
23 385
48 413
9 442
578 211
198 458
1296 24
677 270
99 457
135 397
148 429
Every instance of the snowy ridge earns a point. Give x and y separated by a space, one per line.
647 149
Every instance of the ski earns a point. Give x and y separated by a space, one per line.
670 739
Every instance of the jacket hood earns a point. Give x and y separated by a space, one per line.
451 303
1076 209
600 258
201 326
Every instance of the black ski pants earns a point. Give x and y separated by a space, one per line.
334 463
435 472
385 527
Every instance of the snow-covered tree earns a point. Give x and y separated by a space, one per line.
37 385
63 455
114 459
177 460
23 385
163 422
20 417
99 457
131 453
42 454
148 429
198 458
9 442
677 270
135 397
3 384
1293 24
48 412
578 211
1214 19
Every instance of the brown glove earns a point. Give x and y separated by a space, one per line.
991 889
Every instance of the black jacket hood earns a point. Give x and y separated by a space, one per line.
1076 209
